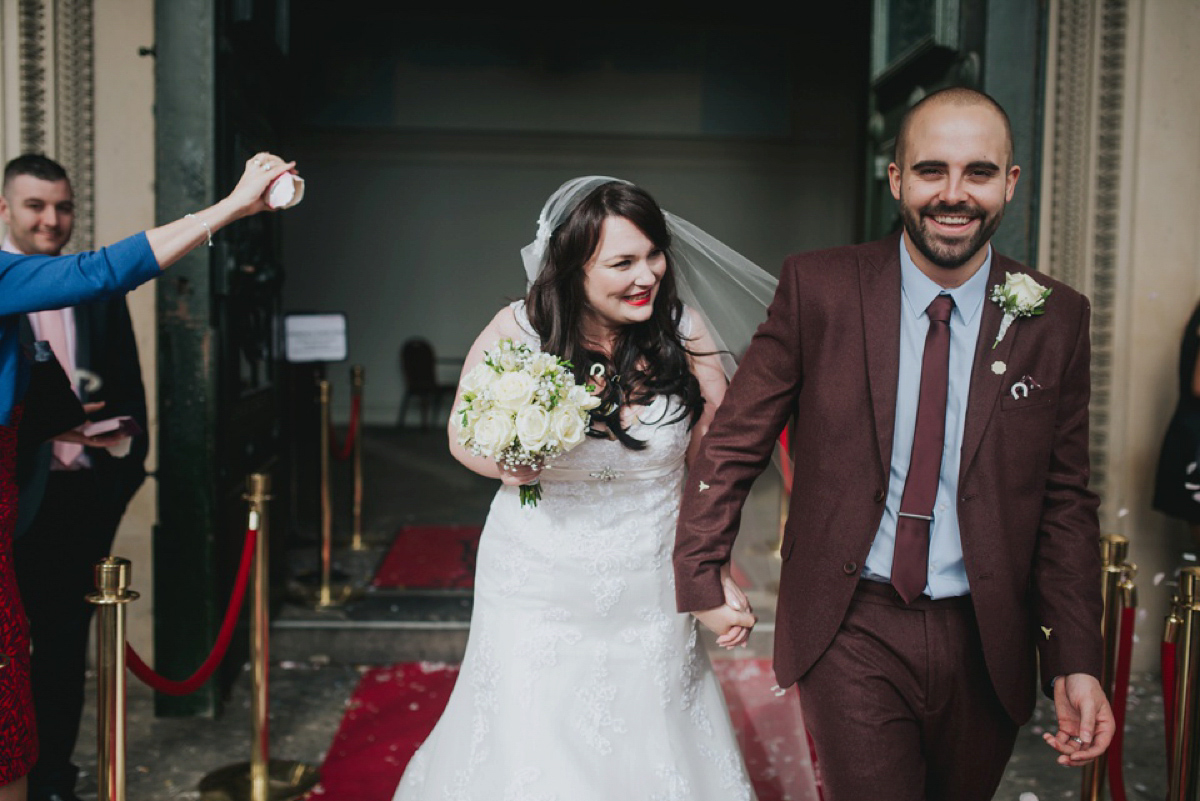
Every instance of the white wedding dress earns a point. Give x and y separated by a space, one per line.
580 680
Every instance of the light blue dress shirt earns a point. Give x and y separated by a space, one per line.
947 575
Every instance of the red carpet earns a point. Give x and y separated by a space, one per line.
430 557
394 709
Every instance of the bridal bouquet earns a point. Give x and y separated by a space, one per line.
521 407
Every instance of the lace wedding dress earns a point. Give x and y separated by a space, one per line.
580 680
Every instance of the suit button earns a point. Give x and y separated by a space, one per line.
850 568
878 496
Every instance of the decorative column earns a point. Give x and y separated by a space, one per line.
47 94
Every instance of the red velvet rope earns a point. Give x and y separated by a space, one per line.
1168 686
343 453
204 672
1120 700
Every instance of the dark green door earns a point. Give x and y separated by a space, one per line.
219 63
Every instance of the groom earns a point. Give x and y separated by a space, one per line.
941 534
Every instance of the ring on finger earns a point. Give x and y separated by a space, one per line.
1077 740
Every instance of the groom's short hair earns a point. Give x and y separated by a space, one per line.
957 96
35 164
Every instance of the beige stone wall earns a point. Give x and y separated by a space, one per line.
124 148
1161 281
1121 221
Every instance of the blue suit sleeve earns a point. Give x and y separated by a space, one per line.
36 283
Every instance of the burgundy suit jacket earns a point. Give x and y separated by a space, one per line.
828 354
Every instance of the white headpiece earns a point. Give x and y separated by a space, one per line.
730 292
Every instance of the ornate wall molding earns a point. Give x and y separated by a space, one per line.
1085 115
57 96
31 24
75 111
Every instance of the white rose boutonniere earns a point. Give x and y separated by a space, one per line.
1020 296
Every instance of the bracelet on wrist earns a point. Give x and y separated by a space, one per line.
207 229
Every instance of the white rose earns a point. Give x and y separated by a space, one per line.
513 390
1027 292
479 379
570 426
579 397
533 427
543 363
507 360
494 432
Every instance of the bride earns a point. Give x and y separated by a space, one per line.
580 680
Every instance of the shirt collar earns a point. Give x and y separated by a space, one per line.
919 290
8 247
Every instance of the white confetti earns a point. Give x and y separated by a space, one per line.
1158 578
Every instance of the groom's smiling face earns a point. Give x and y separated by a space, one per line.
953 183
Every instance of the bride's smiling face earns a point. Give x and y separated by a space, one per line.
621 280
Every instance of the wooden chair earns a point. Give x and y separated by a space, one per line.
419 368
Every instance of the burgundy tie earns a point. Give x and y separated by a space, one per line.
910 560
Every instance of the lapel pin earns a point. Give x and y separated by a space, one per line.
703 486
998 367
1046 631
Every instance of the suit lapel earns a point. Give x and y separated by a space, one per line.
879 282
987 384
25 332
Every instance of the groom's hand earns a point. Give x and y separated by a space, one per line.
1085 720
724 620
736 599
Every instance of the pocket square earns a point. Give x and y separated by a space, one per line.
1025 387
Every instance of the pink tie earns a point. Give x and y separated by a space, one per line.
53 329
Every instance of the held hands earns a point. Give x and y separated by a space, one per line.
1085 720
250 195
733 620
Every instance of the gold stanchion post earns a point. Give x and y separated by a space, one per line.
262 779
357 379
1184 775
1118 593
112 593
328 595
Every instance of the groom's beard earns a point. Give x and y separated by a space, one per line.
948 254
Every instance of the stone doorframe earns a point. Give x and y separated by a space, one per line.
1084 208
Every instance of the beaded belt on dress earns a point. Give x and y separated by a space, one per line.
607 473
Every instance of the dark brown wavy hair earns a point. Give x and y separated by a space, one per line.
649 358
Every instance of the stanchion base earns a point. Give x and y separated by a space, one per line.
288 781
339 596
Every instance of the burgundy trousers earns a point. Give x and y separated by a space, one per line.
901 707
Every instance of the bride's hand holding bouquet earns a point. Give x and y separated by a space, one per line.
520 407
